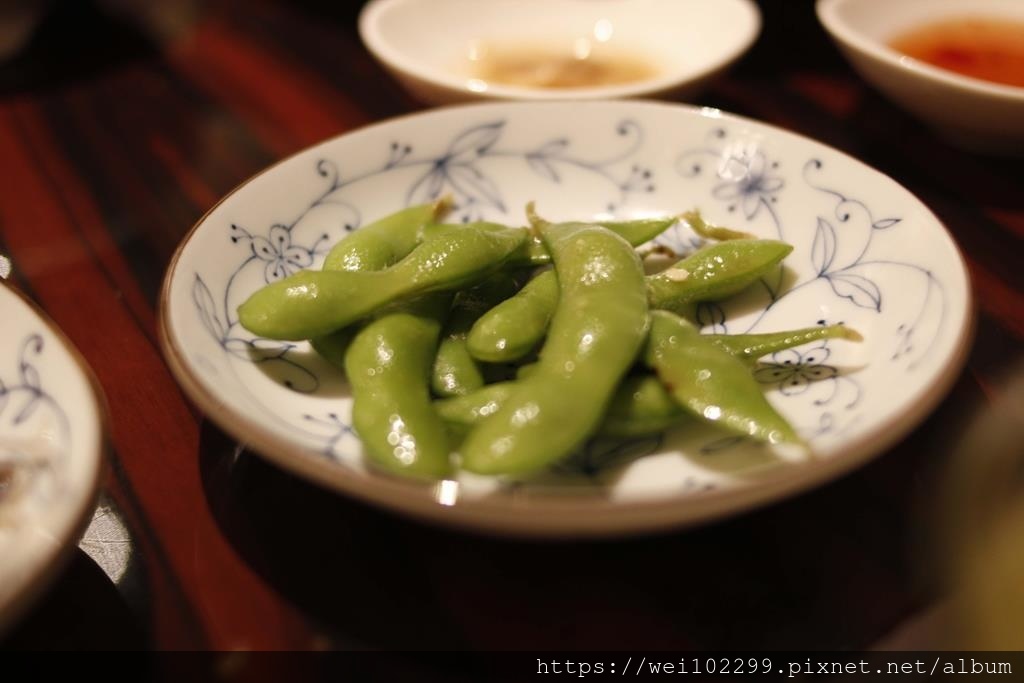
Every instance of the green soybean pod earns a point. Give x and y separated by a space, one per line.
533 252
311 304
513 328
711 384
637 232
461 413
455 371
714 272
373 247
386 240
598 328
712 232
388 367
332 346
642 406
750 347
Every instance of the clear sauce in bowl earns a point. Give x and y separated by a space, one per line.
988 49
548 66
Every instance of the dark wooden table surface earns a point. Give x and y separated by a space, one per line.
118 130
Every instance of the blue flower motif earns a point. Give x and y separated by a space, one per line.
281 256
793 371
747 182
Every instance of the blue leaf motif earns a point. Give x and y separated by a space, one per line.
773 373
469 181
30 377
856 288
722 444
428 187
27 410
823 248
270 348
551 148
237 347
710 314
475 141
543 167
203 300
33 345
885 223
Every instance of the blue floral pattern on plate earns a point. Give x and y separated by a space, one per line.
51 450
34 429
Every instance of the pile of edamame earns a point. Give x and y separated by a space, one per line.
501 350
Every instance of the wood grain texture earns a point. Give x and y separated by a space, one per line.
106 166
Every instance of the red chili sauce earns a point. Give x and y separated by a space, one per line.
989 49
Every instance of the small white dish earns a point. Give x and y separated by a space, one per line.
435 47
971 113
867 253
52 420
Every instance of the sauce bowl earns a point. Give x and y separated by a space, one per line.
971 113
434 48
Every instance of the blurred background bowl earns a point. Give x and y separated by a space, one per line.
969 112
437 48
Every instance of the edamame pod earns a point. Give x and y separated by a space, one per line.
517 325
714 272
385 241
332 346
709 383
455 371
533 252
373 247
461 413
750 347
641 406
712 232
311 304
388 367
636 232
597 330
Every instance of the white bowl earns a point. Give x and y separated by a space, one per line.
969 112
858 258
426 44
52 417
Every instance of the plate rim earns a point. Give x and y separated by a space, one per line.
56 559
564 516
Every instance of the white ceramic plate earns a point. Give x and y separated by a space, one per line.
430 45
866 253
51 452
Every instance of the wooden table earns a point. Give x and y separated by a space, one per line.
116 136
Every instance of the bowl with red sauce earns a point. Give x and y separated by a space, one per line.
956 64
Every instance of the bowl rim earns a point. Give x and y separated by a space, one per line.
385 52
828 12
558 516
